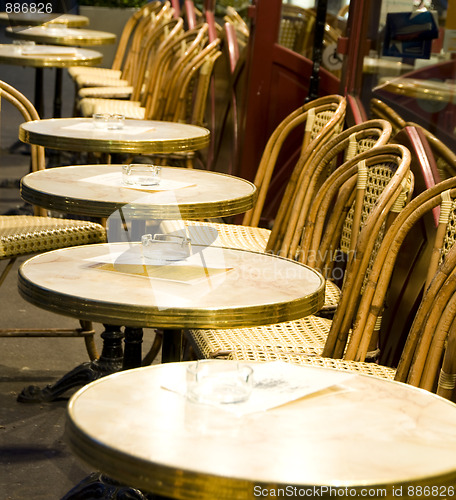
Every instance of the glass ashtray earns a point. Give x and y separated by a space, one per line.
20 45
165 247
219 382
56 27
141 175
108 121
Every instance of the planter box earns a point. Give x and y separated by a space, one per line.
106 19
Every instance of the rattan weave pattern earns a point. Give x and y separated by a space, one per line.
100 80
76 71
374 369
450 235
306 336
131 109
23 234
249 238
228 235
320 120
378 178
107 92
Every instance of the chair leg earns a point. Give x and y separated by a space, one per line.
88 333
155 348
7 269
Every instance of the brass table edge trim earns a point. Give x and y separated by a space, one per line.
177 483
112 146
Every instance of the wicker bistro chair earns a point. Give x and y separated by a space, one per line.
428 356
28 234
379 109
445 158
344 145
169 61
160 33
297 26
383 193
321 118
123 64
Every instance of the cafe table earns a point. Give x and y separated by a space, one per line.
55 34
136 137
305 432
47 56
98 191
120 284
36 19
430 90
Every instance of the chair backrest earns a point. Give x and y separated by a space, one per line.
372 303
444 157
321 119
171 57
192 86
233 18
162 32
146 25
319 164
379 109
127 35
28 112
374 186
297 26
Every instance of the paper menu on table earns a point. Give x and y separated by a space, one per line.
49 51
128 129
190 270
114 179
275 384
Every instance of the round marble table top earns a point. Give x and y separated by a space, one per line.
214 287
385 66
339 435
97 191
432 90
49 56
36 19
62 35
137 136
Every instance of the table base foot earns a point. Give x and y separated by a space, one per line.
96 485
110 361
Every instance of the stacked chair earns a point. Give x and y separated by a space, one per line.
159 34
28 234
360 199
299 195
123 64
427 359
152 31
177 75
296 31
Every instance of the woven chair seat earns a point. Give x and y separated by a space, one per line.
106 92
76 71
24 234
131 109
305 336
228 235
240 237
373 369
85 80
